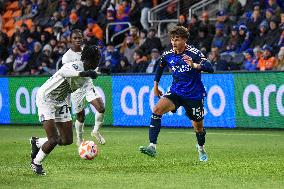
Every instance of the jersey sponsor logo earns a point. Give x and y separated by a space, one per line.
181 68
75 66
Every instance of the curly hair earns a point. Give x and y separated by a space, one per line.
179 31
91 53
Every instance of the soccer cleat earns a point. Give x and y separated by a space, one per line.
35 149
98 136
150 150
202 154
37 169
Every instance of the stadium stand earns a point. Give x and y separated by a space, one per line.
35 33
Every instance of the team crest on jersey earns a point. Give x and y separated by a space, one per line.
75 66
42 118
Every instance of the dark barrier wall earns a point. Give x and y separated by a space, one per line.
253 100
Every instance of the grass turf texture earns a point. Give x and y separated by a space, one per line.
237 159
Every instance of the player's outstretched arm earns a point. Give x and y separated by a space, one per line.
206 66
90 73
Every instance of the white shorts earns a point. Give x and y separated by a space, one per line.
89 92
49 109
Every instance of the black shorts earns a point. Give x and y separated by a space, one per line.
194 108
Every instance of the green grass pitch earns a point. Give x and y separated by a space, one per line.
237 159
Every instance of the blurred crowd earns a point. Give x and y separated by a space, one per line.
36 33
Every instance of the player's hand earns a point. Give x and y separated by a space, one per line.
188 60
157 92
90 73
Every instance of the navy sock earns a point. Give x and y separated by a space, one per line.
201 137
154 128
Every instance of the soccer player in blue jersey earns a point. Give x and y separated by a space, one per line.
187 90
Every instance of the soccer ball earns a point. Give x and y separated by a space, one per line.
88 150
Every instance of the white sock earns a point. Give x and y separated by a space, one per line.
154 145
201 148
79 129
40 157
99 119
40 142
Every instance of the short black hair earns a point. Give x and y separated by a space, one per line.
91 53
76 31
179 31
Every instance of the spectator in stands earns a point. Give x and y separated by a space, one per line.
182 21
151 42
234 9
21 60
130 49
93 29
140 65
267 61
153 62
35 58
193 27
280 65
133 32
203 40
4 54
142 36
124 66
205 23
24 32
74 22
89 10
217 63
233 43
245 38
110 58
145 6
250 63
250 5
273 35
269 13
254 21
258 52
275 7
261 36
224 19
219 39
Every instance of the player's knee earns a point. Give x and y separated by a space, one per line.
67 141
81 117
157 110
101 110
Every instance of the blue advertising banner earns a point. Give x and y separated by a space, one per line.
4 101
133 101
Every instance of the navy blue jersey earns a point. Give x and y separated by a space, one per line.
186 80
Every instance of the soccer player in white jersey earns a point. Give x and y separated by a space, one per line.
52 103
89 92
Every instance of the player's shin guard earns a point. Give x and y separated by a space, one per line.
154 128
99 119
201 137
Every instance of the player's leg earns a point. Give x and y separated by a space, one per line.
94 98
63 123
79 126
99 119
47 147
195 112
65 133
77 99
163 106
